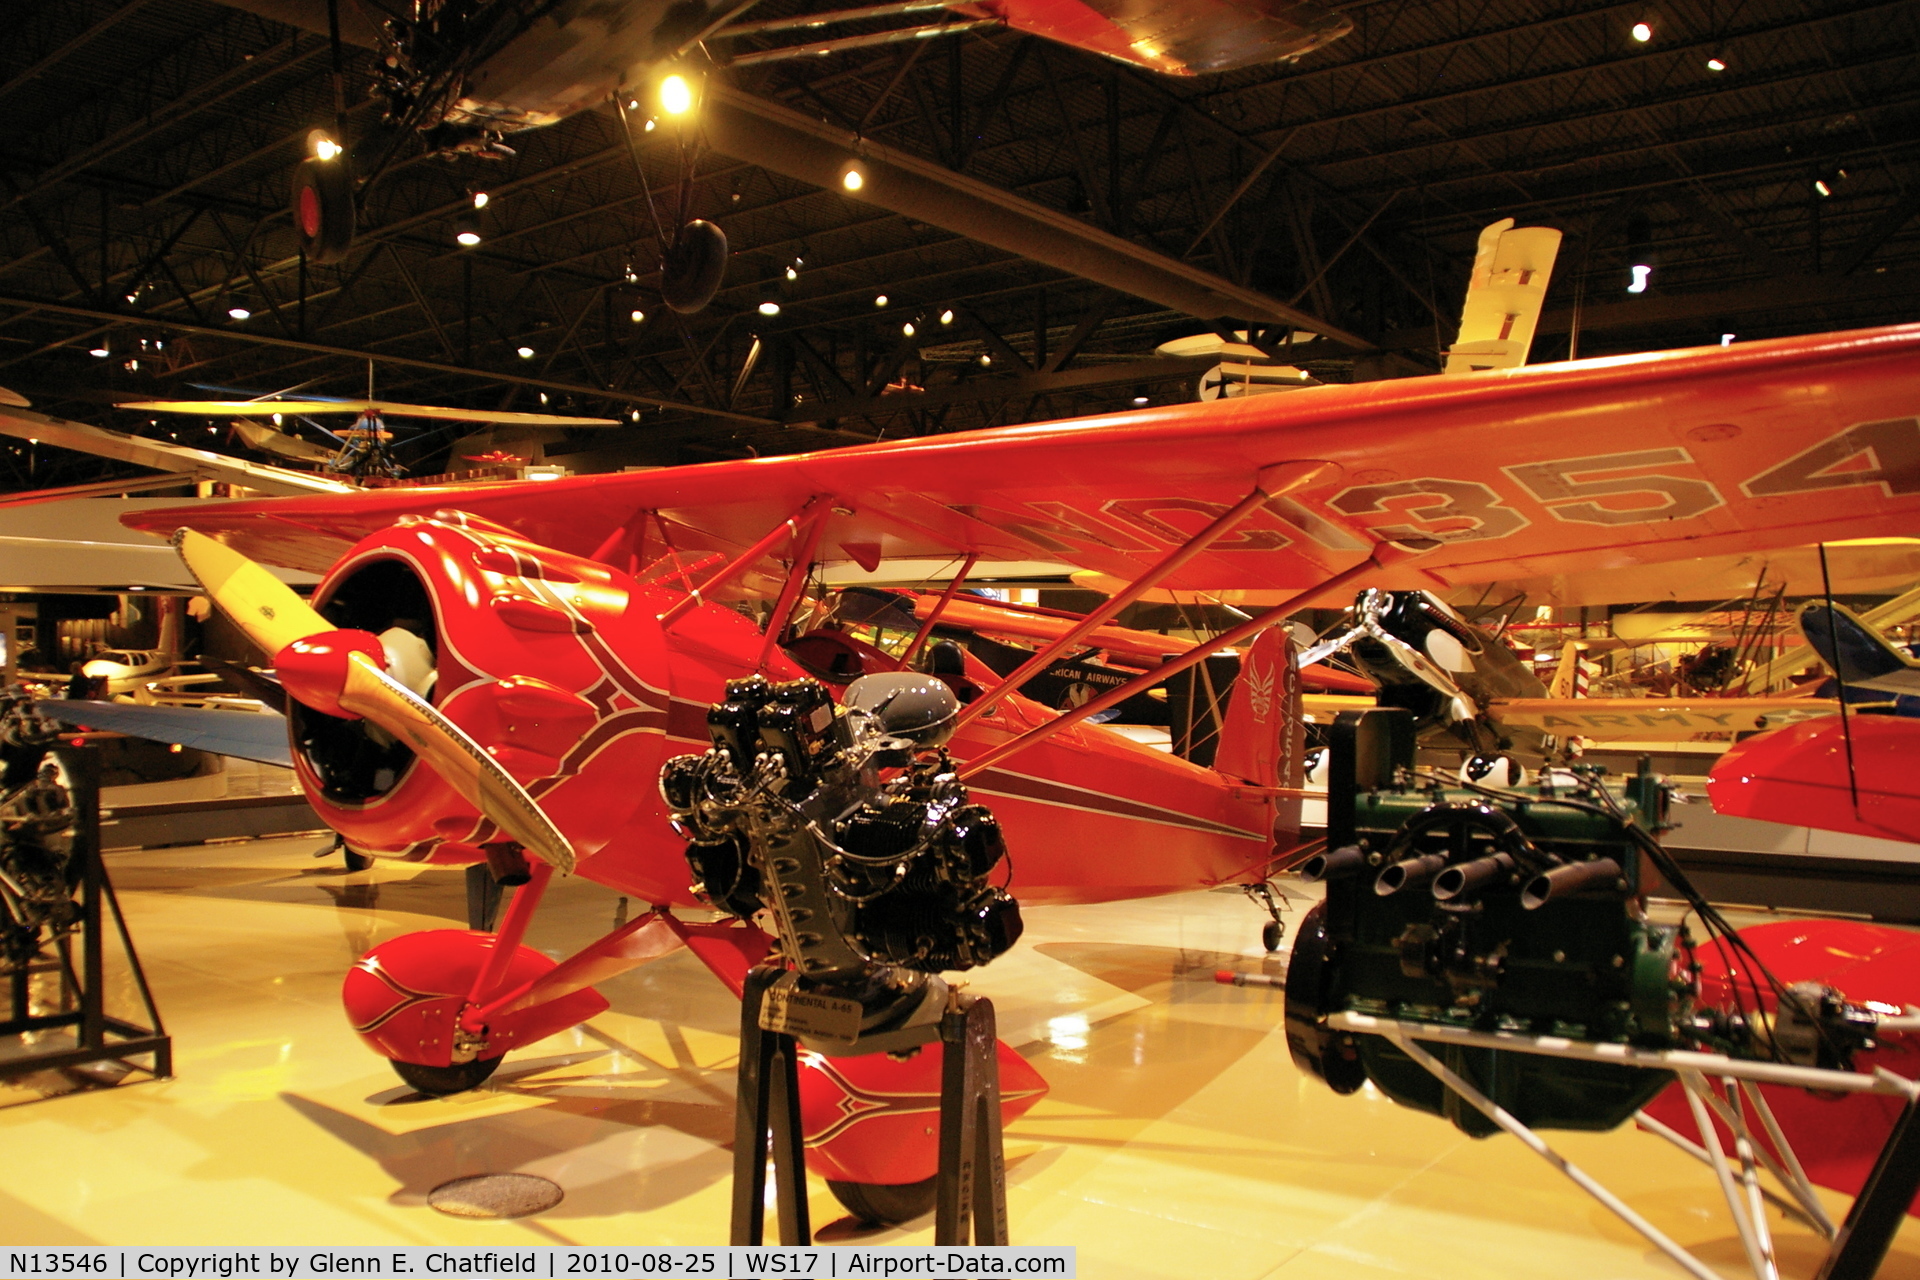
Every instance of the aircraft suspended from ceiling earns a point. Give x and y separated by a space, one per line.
362 449
462 75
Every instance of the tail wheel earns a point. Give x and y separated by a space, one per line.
438 1082
1271 933
323 208
881 1204
356 861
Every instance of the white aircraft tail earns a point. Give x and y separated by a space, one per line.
1504 297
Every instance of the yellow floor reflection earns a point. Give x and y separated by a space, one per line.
1178 1140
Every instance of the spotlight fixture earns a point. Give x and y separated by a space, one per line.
907 329
676 95
650 126
1642 31
1140 396
635 415
946 317
466 230
853 175
985 360
276 419
769 308
239 313
1820 185
792 273
543 399
100 352
637 316
480 199
467 238
1726 339
879 299
321 146
1716 63
1641 274
526 353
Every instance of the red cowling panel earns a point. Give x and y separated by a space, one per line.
1798 775
873 1119
403 996
1837 1139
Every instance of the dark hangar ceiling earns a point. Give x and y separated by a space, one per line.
143 187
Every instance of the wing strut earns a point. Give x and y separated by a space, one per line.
1382 555
806 543
740 564
940 607
1273 482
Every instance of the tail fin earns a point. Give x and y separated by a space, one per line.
1858 654
1264 737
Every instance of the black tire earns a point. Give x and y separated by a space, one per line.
1270 934
438 1082
885 1204
356 861
323 208
694 266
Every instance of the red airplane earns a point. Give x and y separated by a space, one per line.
546 647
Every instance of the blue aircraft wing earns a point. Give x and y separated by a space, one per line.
242 734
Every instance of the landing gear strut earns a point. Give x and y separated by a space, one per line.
1268 899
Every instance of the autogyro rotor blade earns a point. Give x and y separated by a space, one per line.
274 617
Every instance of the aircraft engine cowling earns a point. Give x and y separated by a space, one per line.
556 665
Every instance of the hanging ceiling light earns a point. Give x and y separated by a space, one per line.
676 95
1641 274
526 353
853 175
1643 31
769 308
238 312
637 316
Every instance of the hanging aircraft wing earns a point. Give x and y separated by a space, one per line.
248 735
197 464
1598 464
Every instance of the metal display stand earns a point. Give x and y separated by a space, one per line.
970 1199
99 1036
1856 1246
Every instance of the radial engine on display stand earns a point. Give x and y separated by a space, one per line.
847 836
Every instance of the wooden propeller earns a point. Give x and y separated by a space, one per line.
273 617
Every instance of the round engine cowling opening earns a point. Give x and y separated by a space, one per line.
355 761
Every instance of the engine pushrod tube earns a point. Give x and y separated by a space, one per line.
739 564
1383 554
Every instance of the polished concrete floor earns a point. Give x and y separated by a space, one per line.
1178 1139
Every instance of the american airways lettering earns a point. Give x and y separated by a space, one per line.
1642 486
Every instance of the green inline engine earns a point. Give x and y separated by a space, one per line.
1512 910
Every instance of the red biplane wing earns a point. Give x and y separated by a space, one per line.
1600 464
